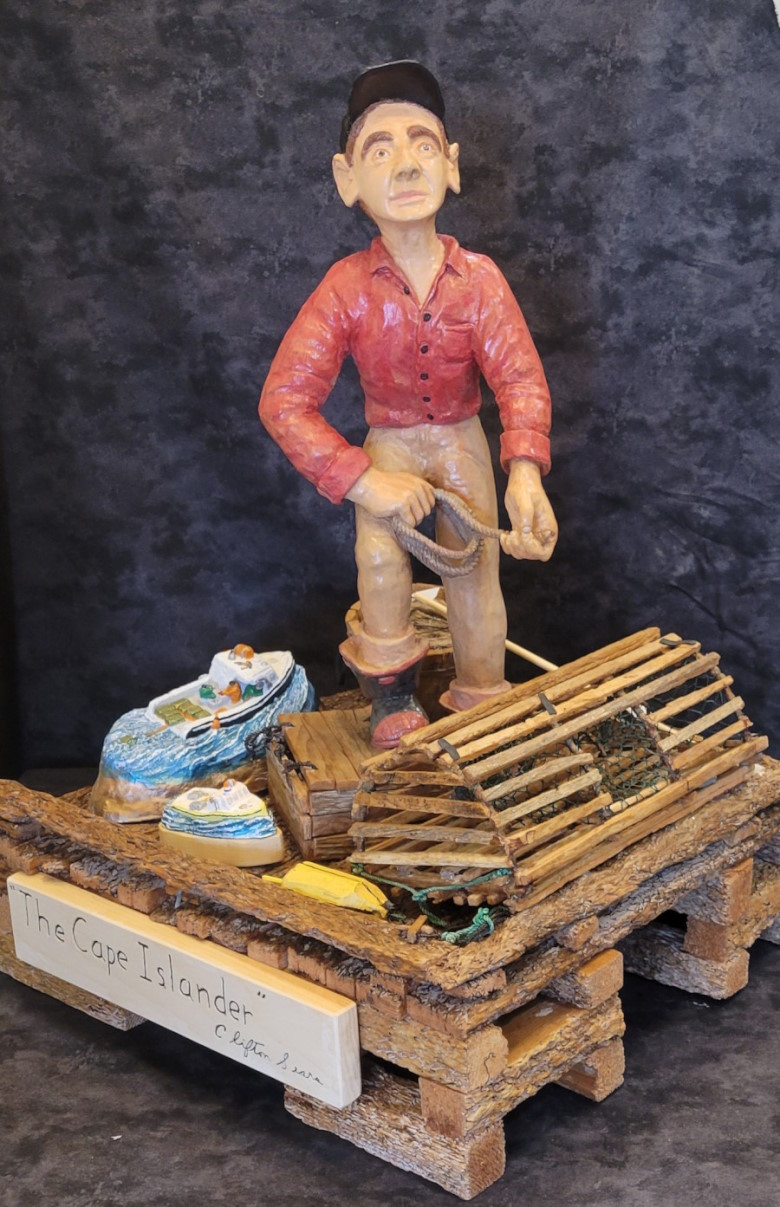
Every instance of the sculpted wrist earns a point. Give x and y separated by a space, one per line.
521 467
363 486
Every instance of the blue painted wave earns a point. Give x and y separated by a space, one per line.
137 750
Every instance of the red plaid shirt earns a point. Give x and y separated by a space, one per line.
417 364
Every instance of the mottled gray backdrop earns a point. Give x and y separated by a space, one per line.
168 206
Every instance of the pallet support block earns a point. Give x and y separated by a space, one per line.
386 1121
446 1124
724 917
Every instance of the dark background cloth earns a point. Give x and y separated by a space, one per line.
169 206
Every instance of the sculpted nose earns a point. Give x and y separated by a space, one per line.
407 169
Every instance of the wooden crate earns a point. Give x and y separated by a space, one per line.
313 774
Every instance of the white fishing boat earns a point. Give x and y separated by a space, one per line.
239 684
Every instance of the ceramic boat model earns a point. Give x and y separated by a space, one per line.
239 684
229 825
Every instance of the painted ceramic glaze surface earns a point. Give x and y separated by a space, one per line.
142 753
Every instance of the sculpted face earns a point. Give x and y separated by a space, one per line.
401 167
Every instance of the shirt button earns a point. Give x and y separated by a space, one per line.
426 318
423 377
426 398
424 348
407 290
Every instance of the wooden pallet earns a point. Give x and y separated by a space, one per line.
530 790
454 1038
704 949
445 1122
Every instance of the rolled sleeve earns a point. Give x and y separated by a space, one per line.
526 444
343 472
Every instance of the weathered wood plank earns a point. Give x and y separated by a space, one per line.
484 768
386 1120
450 724
574 705
545 1038
307 742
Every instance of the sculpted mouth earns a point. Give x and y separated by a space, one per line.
410 195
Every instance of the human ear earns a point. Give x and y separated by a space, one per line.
453 171
345 180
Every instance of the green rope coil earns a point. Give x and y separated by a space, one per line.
483 920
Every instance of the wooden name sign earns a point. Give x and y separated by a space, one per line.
298 1033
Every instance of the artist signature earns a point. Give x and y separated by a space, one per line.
256 1047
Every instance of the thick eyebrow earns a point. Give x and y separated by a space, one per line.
424 132
385 136
377 136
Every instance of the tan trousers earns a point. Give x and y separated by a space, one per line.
452 457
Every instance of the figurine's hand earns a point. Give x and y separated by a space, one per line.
534 530
384 494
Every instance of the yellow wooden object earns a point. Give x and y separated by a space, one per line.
334 887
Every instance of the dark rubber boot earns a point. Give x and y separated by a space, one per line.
395 710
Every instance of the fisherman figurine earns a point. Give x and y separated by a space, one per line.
421 318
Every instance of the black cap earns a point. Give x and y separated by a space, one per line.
403 80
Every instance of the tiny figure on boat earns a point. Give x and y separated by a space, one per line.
421 317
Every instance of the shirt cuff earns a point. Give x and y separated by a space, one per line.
532 446
342 473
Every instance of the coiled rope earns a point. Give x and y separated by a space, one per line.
449 563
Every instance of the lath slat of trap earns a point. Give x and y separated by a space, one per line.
420 804
507 817
575 705
448 725
532 837
435 858
485 768
652 811
408 826
395 777
694 753
420 839
408 853
541 772
681 703
501 717
706 721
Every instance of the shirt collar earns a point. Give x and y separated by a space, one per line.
379 258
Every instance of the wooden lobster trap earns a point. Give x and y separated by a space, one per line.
524 793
